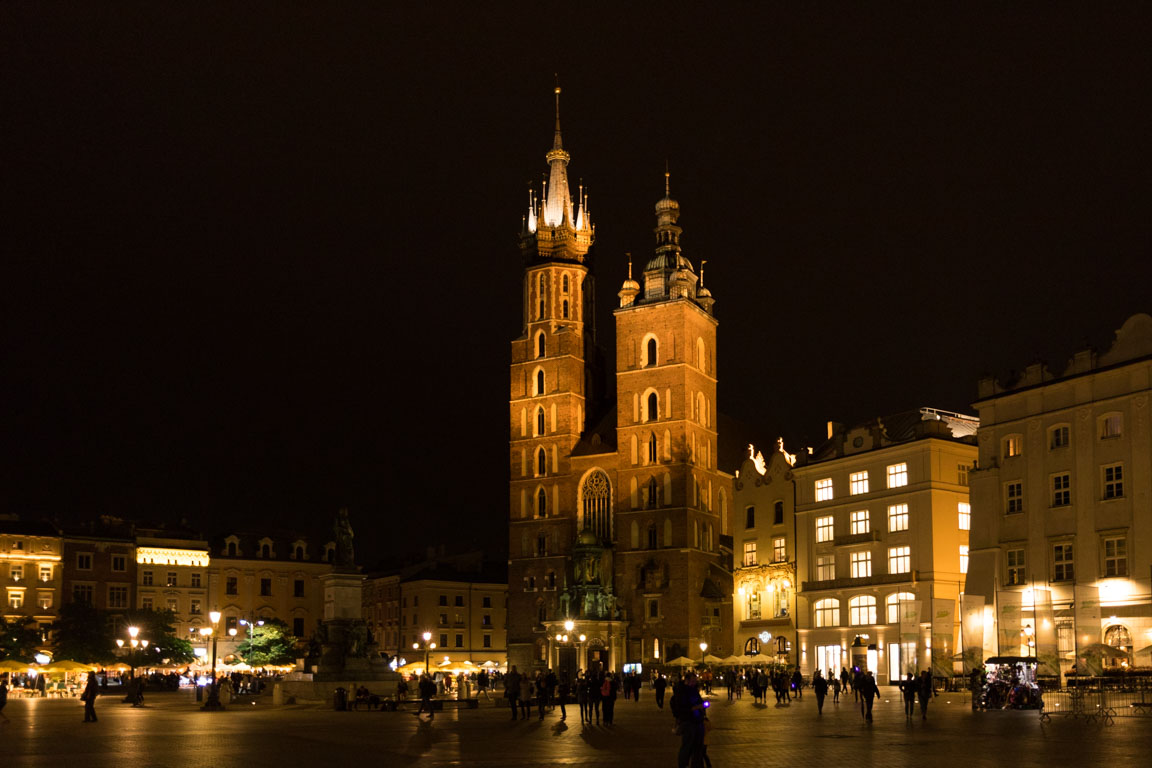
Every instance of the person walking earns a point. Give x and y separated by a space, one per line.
582 698
89 698
563 688
868 693
427 690
541 693
595 682
608 692
844 679
482 684
798 684
820 688
908 688
835 687
512 688
688 708
925 692
527 688
659 685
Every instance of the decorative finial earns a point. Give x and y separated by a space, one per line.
702 263
629 255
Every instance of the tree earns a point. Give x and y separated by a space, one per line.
82 634
157 628
271 643
19 639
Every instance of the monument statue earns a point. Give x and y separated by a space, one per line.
345 554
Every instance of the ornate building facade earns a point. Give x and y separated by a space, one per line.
616 508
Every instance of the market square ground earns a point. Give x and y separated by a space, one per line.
172 732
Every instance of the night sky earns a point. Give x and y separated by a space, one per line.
261 262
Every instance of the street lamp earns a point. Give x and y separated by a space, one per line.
427 645
213 702
703 648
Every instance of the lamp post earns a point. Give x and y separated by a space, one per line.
213 702
427 645
703 648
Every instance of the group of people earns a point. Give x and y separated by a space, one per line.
759 681
595 692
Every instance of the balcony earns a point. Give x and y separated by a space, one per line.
856 538
867 581
710 623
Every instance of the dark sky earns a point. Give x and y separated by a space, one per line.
261 262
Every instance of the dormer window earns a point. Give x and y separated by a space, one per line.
232 546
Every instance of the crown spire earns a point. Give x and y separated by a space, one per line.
558 197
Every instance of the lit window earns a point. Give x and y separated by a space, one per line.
962 473
1058 437
893 605
965 516
825 567
897 518
16 572
963 558
824 489
1061 490
858 483
897 475
862 610
899 559
45 573
15 599
45 601
827 613
861 563
1115 557
825 530
779 552
1110 426
1062 565
860 522
749 553
1014 496
1114 481
1013 446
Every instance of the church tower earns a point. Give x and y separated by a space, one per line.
551 385
672 499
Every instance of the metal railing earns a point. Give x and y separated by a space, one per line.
1099 699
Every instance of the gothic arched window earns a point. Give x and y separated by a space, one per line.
541 503
541 462
539 421
652 493
539 382
541 345
596 504
651 352
564 309
564 286
652 447
653 407
652 540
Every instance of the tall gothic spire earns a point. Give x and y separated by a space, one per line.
558 201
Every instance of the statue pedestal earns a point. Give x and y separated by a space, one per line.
343 592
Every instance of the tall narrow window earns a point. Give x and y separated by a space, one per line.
596 504
1062 566
749 553
652 444
1014 498
825 529
750 517
1115 557
899 559
1061 489
651 356
541 345
860 522
1114 481
897 517
541 504
824 489
540 316
541 462
539 382
539 421
965 511
564 284
653 500
778 513
564 309
963 558
1014 558
653 407
861 564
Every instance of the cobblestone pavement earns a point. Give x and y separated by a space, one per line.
171 731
